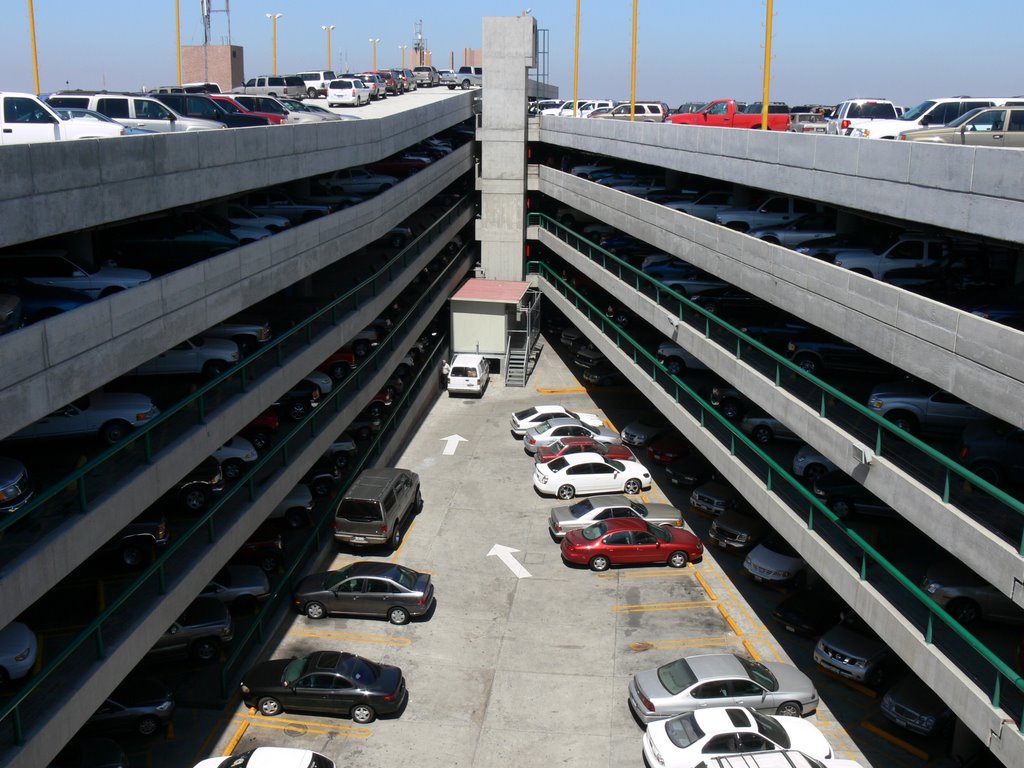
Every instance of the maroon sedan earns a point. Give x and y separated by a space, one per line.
563 446
668 448
630 541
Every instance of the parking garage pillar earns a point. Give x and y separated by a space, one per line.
509 51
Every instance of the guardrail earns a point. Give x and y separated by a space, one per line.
949 480
156 575
818 517
152 437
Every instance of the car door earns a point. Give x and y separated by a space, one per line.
712 693
580 477
618 547
153 116
1015 130
948 413
602 478
25 122
646 548
347 597
376 597
63 421
748 693
313 692
986 129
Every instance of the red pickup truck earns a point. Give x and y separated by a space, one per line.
727 113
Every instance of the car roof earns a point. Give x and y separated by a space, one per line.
624 524
372 568
714 720
584 458
561 421
708 666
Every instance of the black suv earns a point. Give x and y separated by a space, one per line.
200 105
198 488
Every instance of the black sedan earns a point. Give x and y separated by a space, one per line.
327 682
366 588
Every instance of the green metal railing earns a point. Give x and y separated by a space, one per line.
777 480
236 379
829 399
306 428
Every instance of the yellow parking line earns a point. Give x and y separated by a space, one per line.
562 391
355 637
751 650
705 586
663 644
729 620
669 573
239 733
895 740
284 723
859 687
677 606
405 538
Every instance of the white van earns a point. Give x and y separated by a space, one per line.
468 374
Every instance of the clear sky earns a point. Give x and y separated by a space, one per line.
823 52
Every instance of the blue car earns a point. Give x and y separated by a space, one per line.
39 302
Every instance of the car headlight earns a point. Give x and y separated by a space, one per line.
876 403
861 663
142 416
24 654
245 688
928 721
742 537
164 707
932 588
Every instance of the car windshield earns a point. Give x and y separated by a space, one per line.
520 415
760 674
293 671
770 728
683 730
581 508
914 113
676 676
406 577
965 117
595 531
639 508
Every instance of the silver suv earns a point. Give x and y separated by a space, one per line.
133 111
644 112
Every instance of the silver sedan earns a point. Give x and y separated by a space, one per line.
554 429
597 508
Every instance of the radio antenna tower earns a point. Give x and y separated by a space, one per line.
420 46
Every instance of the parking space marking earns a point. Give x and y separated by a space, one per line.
675 606
729 620
751 650
355 637
560 391
405 538
674 573
284 724
895 740
705 586
643 645
239 733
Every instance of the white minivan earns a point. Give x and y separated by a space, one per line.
468 374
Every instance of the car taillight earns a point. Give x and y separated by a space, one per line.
384 530
389 697
963 452
648 705
423 598
353 91
844 124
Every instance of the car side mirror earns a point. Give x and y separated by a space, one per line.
173 630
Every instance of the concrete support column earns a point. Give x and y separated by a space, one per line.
509 51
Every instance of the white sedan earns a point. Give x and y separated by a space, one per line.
693 737
270 757
233 456
531 417
580 473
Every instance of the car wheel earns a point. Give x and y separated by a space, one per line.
134 555
451 87
678 560
205 649
566 492
269 706
214 368
246 344
789 709
988 472
731 409
809 363
315 610
674 366
813 471
339 371
311 93
320 487
260 439
842 508
465 85
233 469
297 409
340 461
762 435
964 610
398 615
363 713
147 726
600 563
904 421
114 431
396 537
632 486
269 563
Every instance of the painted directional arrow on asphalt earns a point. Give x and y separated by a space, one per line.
504 554
451 443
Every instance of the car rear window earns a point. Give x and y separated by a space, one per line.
871 110
558 464
683 730
359 510
462 372
525 414
677 676
581 508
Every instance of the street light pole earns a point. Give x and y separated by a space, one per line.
767 64
373 42
32 33
177 35
328 27
632 71
403 48
576 64
273 22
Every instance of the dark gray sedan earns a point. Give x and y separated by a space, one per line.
366 588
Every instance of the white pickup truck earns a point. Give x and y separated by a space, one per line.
465 78
24 119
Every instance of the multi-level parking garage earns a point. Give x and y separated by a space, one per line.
57 191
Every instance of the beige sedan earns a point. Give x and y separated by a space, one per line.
982 127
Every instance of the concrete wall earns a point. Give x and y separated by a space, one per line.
994 727
50 363
975 190
975 359
985 553
59 187
46 735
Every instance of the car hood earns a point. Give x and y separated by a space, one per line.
662 511
312 583
774 561
846 640
266 674
15 638
128 401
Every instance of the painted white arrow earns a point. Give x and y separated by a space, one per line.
505 555
451 443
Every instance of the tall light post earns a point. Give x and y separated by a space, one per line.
273 22
177 34
373 42
403 48
632 70
328 28
767 64
32 33
576 64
